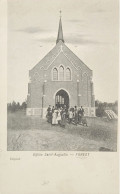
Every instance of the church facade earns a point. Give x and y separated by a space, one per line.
59 79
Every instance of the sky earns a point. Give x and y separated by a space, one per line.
90 29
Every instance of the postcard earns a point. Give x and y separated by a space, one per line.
59 97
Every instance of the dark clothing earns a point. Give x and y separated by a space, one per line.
81 111
76 116
50 117
53 109
80 115
63 119
48 109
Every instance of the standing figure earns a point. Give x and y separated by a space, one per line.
59 116
63 119
49 108
48 113
70 116
81 114
50 117
54 118
82 111
79 117
67 113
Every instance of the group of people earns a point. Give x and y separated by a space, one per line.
62 115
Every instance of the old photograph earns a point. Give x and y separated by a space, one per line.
62 75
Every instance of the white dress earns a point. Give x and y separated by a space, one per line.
54 118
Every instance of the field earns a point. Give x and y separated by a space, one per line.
35 134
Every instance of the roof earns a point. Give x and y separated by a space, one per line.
60 32
60 47
47 61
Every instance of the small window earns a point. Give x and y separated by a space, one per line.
55 74
68 74
61 73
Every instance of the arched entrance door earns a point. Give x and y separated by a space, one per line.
61 99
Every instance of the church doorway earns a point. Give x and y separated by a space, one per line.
62 99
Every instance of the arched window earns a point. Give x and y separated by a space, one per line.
68 74
55 74
61 73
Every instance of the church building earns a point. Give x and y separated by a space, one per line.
59 79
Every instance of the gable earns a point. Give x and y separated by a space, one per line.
61 59
61 50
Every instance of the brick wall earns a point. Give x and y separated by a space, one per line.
38 76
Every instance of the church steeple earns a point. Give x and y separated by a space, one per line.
60 31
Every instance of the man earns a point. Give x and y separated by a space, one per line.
49 108
83 119
82 111
80 114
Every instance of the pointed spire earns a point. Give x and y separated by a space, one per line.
60 32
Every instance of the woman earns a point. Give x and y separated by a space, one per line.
54 118
59 116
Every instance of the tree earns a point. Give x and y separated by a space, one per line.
13 107
24 105
97 103
18 106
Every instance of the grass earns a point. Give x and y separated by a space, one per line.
34 133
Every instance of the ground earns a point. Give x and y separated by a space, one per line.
27 133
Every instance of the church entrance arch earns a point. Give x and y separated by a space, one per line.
62 99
